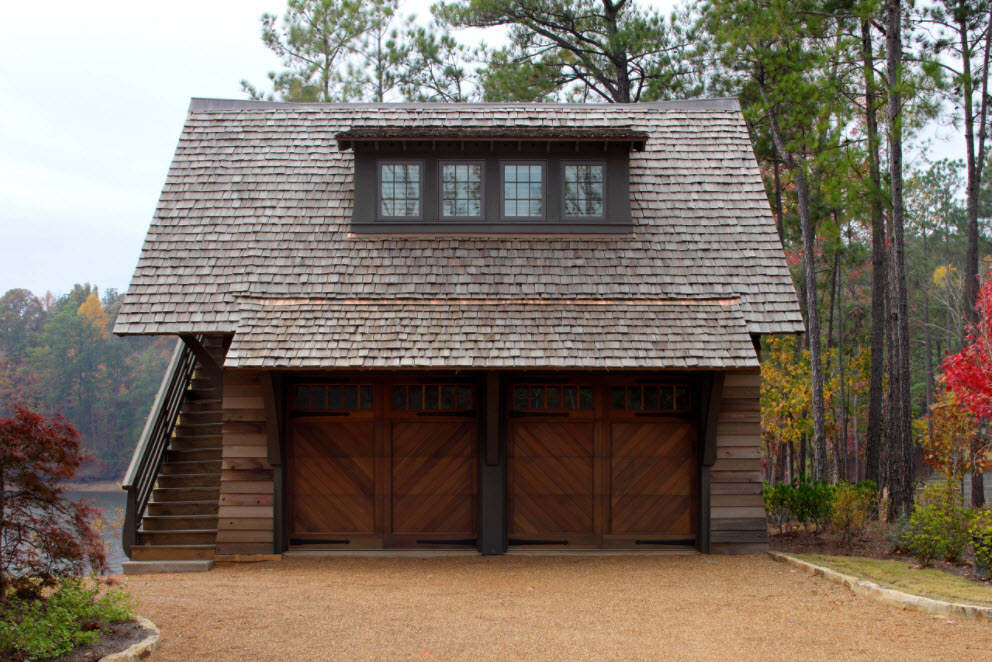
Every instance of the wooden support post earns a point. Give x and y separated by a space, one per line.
492 472
273 402
709 413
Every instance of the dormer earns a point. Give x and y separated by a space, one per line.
492 180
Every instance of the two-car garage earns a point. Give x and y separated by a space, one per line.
585 462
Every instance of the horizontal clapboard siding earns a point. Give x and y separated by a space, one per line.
737 523
244 524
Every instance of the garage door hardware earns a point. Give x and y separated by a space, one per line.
309 414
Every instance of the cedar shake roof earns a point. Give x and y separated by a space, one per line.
257 206
343 334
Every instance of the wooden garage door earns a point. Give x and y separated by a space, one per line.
551 466
601 465
387 464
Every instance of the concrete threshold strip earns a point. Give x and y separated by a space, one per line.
140 650
889 596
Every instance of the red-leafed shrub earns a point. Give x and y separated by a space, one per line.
43 535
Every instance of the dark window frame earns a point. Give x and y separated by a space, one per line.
422 164
565 163
503 216
441 162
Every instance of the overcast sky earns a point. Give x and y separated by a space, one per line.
96 95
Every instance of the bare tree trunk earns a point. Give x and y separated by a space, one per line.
900 455
841 446
874 440
809 269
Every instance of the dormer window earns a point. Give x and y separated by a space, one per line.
502 180
524 190
583 190
462 189
401 190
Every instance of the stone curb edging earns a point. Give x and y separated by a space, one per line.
888 596
140 650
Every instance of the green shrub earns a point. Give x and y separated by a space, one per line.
777 504
939 525
800 503
980 532
852 506
72 615
898 534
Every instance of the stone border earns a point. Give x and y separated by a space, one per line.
140 650
889 596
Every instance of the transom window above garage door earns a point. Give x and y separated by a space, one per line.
433 397
332 397
659 398
552 397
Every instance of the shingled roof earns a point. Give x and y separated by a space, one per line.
257 206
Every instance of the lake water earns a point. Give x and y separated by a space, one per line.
109 502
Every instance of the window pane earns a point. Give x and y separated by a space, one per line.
415 396
520 397
302 397
523 191
618 399
365 397
399 397
399 190
571 401
464 397
554 397
667 398
651 398
537 397
585 397
317 400
584 190
350 397
334 397
430 397
634 398
461 190
449 397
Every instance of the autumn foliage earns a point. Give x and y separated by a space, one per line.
42 535
968 374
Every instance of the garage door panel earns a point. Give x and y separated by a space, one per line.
439 514
551 478
653 514
555 439
652 478
333 486
433 477
551 514
652 439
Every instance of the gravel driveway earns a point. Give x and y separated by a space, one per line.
534 607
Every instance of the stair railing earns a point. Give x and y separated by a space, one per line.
154 441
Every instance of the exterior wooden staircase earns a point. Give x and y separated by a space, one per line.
174 478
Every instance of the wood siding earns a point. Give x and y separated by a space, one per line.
244 524
738 522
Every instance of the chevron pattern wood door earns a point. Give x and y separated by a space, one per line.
333 476
653 466
551 478
433 477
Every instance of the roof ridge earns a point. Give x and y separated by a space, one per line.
201 105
